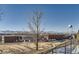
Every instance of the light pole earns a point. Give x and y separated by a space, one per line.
70 33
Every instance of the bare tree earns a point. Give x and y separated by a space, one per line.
34 25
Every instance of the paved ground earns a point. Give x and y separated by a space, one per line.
76 50
62 50
67 49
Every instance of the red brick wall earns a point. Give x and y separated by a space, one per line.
10 39
56 36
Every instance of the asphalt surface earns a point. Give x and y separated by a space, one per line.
70 49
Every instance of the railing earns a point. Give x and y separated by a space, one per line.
69 45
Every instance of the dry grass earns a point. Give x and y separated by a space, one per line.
22 48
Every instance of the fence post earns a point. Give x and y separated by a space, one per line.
52 51
65 48
71 46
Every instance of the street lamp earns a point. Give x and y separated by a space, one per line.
70 33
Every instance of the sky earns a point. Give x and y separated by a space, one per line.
56 17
